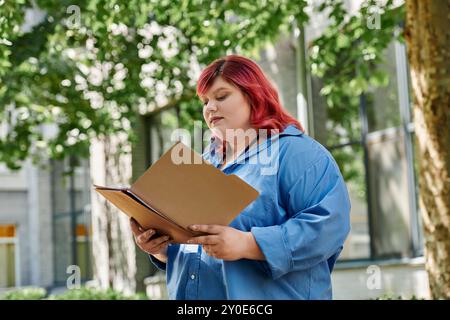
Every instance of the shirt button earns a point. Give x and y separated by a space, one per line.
192 276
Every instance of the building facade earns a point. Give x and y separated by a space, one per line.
44 224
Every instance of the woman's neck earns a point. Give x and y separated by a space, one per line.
239 143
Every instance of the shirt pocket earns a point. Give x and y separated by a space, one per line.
266 209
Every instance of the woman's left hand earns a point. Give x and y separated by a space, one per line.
226 243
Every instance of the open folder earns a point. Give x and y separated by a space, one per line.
181 189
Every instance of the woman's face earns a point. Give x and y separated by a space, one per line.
225 107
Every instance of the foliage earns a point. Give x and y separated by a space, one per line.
24 294
391 296
88 70
347 59
83 293
77 76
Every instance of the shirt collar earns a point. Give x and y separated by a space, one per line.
291 130
213 151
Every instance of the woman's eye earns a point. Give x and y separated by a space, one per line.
218 98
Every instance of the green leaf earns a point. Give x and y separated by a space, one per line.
379 79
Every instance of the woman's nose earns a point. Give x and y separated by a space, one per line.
211 106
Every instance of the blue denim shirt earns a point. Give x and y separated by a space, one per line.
300 222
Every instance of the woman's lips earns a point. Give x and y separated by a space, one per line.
216 120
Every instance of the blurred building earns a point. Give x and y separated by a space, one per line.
44 224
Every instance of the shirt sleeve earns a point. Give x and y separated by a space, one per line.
318 208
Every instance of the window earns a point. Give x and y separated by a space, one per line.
64 255
351 162
383 110
372 143
8 256
389 194
62 234
71 219
339 130
84 252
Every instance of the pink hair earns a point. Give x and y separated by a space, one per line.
266 110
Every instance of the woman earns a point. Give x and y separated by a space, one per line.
283 245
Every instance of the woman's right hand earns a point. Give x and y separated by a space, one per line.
157 247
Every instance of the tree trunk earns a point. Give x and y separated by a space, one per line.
427 35
113 243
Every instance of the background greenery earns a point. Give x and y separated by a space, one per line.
83 293
88 70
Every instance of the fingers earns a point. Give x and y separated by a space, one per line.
156 245
135 227
207 228
162 246
145 239
209 250
140 232
145 236
211 240
159 241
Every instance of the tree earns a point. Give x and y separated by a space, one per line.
427 37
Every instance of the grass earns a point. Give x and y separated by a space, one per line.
397 297
83 293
